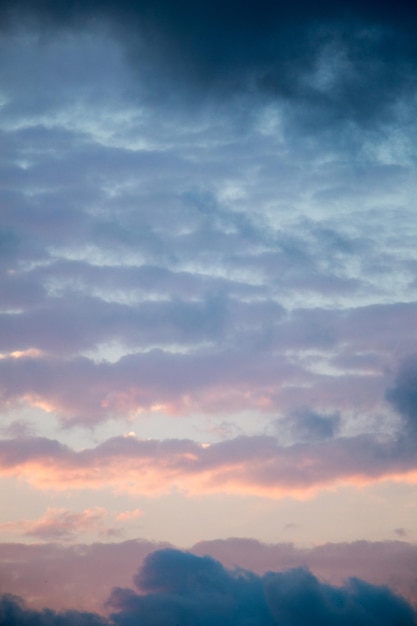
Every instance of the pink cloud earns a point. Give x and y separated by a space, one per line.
59 524
244 465
126 516
81 576
73 576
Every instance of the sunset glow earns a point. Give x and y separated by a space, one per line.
208 313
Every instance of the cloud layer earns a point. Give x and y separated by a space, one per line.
246 465
81 576
184 588
207 238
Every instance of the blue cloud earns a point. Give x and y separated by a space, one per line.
180 588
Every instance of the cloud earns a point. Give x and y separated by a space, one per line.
403 395
129 515
13 612
305 425
192 243
387 563
218 356
81 576
59 524
73 576
347 61
181 587
244 465
189 589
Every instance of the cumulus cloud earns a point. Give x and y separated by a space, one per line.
184 588
181 587
81 576
189 589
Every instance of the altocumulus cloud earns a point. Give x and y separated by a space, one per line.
175 587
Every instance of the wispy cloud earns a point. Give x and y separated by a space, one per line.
59 524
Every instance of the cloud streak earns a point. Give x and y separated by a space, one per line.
59 524
247 465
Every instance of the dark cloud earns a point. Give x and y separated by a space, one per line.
13 612
403 395
179 587
80 576
188 589
381 563
340 61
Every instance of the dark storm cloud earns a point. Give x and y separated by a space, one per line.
339 61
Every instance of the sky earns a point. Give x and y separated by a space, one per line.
208 307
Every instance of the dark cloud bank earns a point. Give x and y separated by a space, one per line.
175 587
278 49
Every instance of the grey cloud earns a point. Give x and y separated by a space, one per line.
306 425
